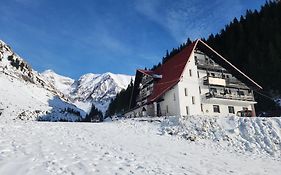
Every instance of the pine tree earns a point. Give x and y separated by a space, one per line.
121 102
95 115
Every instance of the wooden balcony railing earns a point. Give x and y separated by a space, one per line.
229 96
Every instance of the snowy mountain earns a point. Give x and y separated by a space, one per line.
97 89
26 95
61 83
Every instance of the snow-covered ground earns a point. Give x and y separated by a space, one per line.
126 147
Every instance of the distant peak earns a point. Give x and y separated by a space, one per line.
108 73
48 71
89 75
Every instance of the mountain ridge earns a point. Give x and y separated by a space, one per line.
90 88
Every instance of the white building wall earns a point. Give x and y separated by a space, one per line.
223 105
190 82
170 105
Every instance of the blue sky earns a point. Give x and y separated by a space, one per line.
77 37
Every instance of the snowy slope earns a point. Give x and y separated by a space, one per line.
25 95
121 147
97 89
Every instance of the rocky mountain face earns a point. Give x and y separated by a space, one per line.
25 94
97 89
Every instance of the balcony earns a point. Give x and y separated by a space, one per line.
224 82
207 65
233 82
143 95
207 80
146 80
210 95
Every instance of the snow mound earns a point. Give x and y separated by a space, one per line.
255 135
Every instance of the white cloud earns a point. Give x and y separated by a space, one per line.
191 18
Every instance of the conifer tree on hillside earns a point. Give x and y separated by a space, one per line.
95 115
253 44
121 102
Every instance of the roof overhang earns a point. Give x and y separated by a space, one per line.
226 64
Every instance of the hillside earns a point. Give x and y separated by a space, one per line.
253 44
26 96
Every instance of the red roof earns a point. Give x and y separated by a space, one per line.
171 72
147 72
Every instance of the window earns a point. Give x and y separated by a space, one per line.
206 58
185 91
167 109
196 60
245 108
231 110
193 100
198 74
213 74
214 90
190 72
199 89
240 92
187 110
174 97
227 91
216 108
201 107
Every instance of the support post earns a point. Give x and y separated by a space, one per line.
155 108
253 110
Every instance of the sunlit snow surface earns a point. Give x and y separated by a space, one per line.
122 147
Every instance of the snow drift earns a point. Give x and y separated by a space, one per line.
255 135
